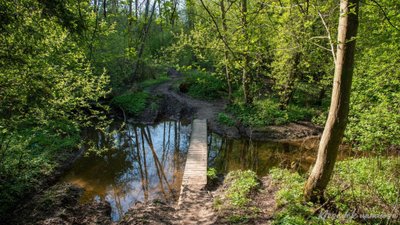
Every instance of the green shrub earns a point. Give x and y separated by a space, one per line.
212 173
203 85
266 111
32 153
242 183
132 103
223 118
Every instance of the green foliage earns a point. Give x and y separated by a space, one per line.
203 85
132 103
31 154
211 173
367 185
152 82
268 112
242 183
375 101
223 118
49 90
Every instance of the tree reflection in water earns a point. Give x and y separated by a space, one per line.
142 163
260 156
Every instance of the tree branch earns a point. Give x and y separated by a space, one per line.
222 37
385 15
329 37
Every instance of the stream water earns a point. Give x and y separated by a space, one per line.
138 163
146 162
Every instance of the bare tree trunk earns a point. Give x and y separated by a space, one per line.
245 75
136 9
338 112
226 53
105 8
143 38
173 13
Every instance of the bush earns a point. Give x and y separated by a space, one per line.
203 85
132 103
267 112
242 183
32 153
223 118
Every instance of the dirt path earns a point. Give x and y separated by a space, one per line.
210 109
204 109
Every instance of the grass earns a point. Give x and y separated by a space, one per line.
365 187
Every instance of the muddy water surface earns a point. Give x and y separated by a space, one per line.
260 156
138 163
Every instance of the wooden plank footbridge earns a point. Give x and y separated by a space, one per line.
195 203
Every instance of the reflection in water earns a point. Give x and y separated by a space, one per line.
142 163
232 154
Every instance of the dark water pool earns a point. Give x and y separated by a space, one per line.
233 154
139 163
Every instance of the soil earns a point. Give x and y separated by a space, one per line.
197 207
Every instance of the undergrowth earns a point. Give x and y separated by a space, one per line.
267 112
28 155
202 85
364 190
233 204
132 103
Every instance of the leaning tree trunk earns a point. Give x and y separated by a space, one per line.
339 109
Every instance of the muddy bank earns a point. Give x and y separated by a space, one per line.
260 210
60 205
64 161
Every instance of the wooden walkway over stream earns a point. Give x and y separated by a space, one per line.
195 203
196 163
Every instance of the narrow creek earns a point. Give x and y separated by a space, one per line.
141 163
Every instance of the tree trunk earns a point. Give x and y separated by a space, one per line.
245 75
143 38
338 112
226 53
136 10
105 8
288 89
